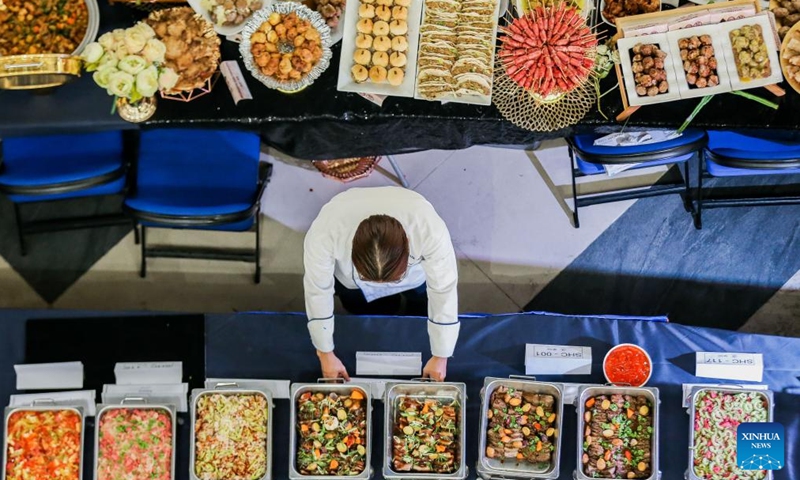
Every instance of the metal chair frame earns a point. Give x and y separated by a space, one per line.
130 140
195 221
743 200
683 186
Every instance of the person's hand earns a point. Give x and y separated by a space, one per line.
436 368
331 366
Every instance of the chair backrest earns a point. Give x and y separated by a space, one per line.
99 144
172 158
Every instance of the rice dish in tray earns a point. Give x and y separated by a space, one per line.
456 50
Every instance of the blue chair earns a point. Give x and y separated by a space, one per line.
732 154
587 159
59 167
201 180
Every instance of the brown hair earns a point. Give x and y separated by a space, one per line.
380 249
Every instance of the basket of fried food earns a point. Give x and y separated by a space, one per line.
347 169
286 46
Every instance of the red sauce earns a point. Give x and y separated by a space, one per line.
627 365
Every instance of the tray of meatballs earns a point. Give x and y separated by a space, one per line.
701 70
648 69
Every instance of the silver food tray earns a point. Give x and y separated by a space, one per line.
42 408
442 390
129 404
585 392
490 469
338 388
230 389
768 396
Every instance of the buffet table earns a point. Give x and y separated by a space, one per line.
276 346
321 123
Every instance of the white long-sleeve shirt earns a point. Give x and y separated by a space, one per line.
327 253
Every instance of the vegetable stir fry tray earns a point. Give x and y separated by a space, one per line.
135 443
44 444
231 436
426 435
332 432
42 26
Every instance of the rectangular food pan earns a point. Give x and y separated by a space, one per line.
446 392
133 404
765 396
587 392
342 390
231 390
37 408
511 468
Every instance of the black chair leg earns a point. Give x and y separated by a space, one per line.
697 214
143 271
575 221
135 233
20 232
258 246
687 198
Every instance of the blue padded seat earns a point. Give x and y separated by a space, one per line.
739 145
585 143
588 168
31 163
241 226
196 173
717 170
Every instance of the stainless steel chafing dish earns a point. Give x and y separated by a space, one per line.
339 388
130 404
42 406
230 389
586 392
445 391
730 389
489 468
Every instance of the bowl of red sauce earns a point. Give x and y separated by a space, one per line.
627 365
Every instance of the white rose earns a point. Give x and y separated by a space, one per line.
106 40
154 51
146 29
167 79
108 59
120 83
132 64
147 82
102 76
118 34
121 52
92 53
135 40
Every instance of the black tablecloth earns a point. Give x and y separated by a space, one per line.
277 346
321 123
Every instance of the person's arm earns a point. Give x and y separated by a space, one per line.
441 274
318 281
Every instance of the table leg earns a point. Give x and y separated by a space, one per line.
397 171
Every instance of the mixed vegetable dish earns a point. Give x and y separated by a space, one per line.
522 427
717 414
231 436
332 432
135 443
617 437
426 435
42 26
44 444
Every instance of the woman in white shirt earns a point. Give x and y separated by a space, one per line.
380 242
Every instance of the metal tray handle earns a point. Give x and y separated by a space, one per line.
424 379
523 377
133 399
43 401
225 384
331 380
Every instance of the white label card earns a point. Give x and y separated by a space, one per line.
374 98
235 80
389 363
152 373
279 389
49 376
79 398
557 360
730 366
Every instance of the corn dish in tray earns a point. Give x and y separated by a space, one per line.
231 436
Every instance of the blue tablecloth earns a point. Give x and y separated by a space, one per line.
277 346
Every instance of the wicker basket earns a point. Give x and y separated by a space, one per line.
347 169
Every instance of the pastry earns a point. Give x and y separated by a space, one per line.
399 44
380 28
363 41
362 56
360 73
380 59
387 3
366 10
402 3
398 59
398 27
382 44
368 1
377 74
396 76
365 25
399 12
383 13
